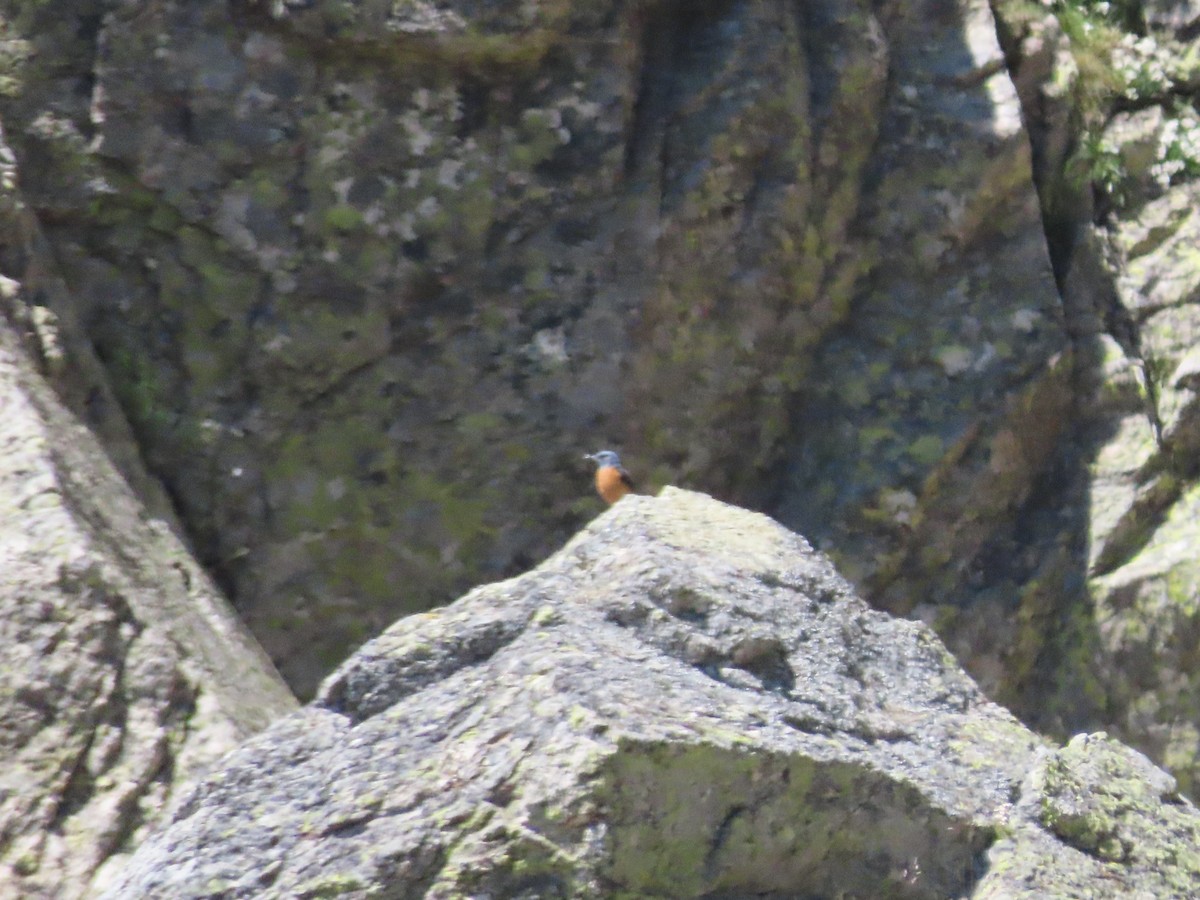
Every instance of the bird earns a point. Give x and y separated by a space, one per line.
612 481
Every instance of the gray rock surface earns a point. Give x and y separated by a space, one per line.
367 278
124 672
1101 559
685 701
357 269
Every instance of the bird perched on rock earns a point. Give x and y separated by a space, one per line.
612 481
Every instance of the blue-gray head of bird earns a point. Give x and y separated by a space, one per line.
604 458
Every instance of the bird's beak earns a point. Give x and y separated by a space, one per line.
590 456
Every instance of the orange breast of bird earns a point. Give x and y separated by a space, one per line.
612 483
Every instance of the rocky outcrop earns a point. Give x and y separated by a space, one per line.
358 270
367 279
1107 621
685 701
125 671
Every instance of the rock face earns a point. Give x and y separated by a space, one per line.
125 672
685 701
357 270
368 278
1099 560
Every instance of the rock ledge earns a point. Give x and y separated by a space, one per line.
685 701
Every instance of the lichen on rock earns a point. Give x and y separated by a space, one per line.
614 723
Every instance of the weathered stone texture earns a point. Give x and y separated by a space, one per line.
125 672
1108 593
357 270
685 701
368 278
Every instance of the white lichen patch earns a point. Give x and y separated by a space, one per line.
420 138
341 189
899 504
449 174
955 359
549 346
428 208
1025 320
